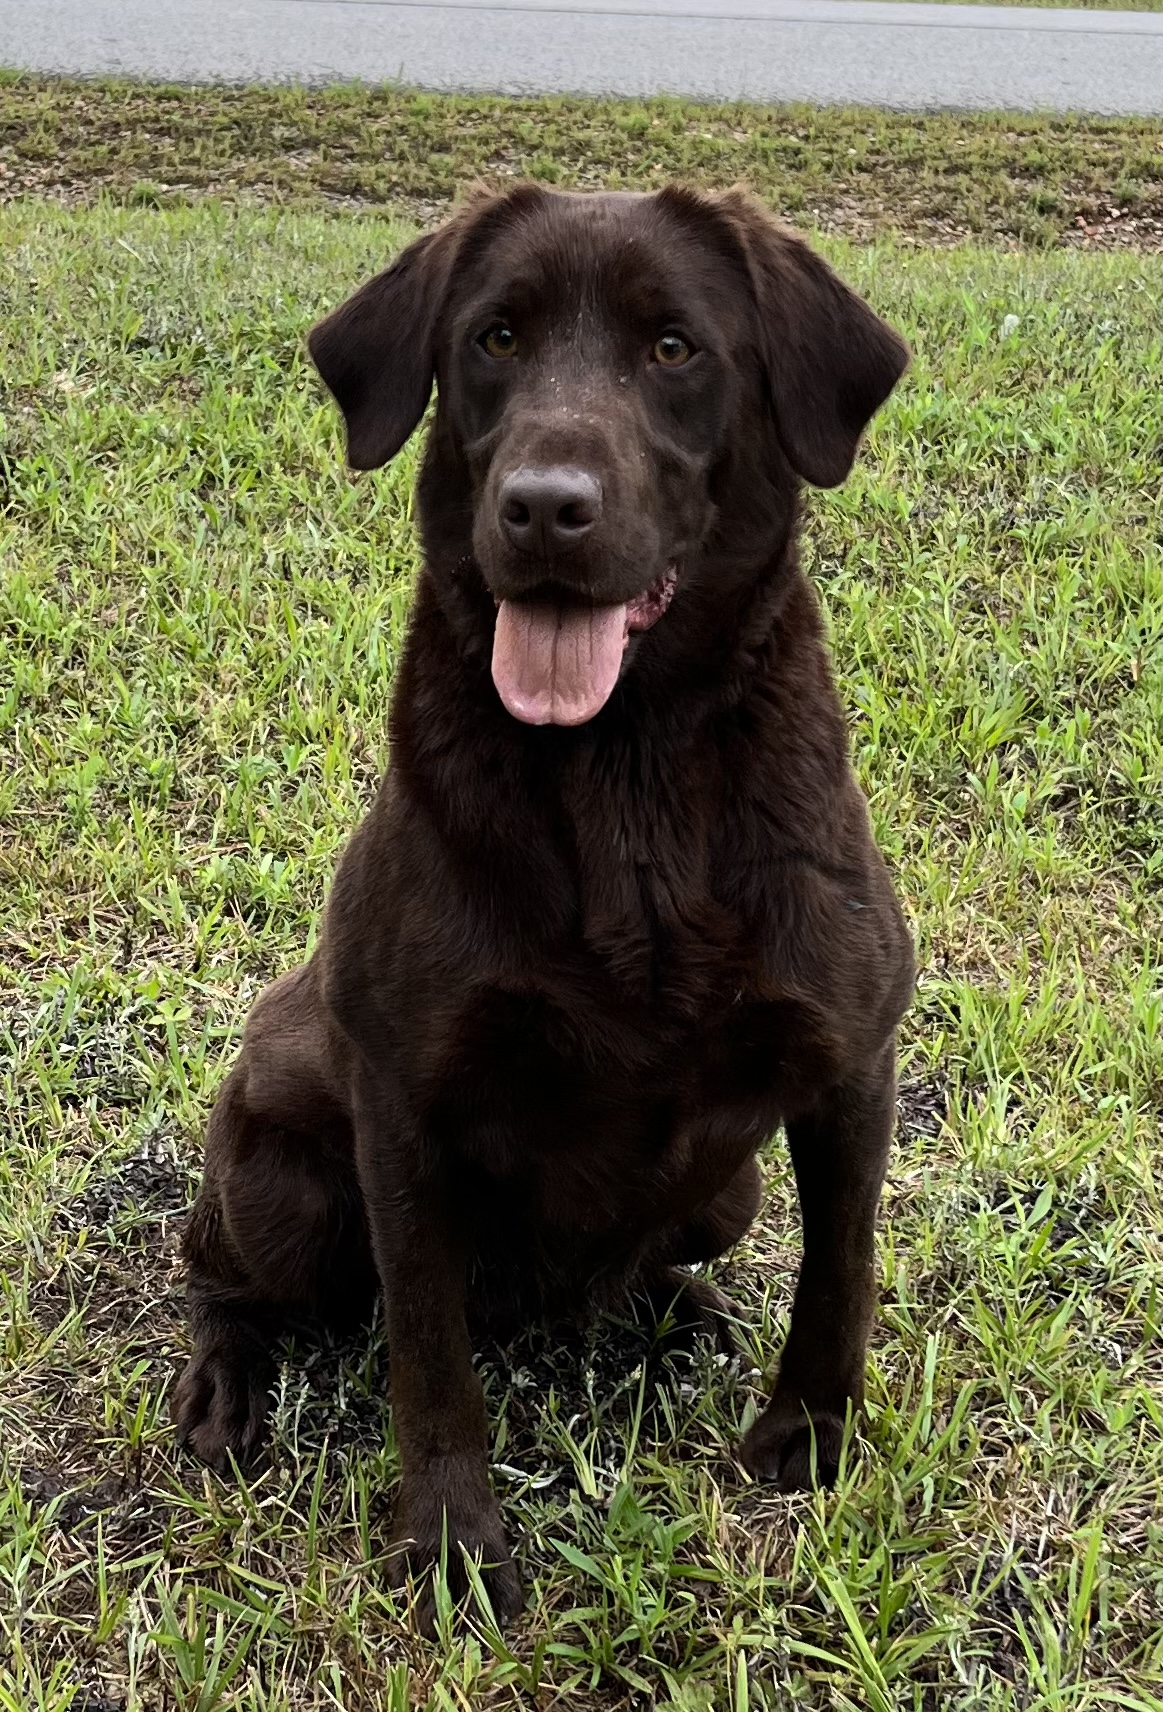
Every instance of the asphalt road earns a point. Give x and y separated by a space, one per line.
909 56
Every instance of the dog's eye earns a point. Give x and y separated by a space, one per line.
499 341
672 351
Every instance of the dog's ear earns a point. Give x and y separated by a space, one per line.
830 362
376 351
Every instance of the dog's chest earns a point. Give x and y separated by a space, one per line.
583 1060
601 1117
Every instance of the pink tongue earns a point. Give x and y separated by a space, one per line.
556 665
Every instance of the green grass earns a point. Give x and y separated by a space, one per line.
199 616
854 172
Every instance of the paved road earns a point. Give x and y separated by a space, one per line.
911 56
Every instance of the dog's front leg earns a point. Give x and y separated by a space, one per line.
437 1401
839 1152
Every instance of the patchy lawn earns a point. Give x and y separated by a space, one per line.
937 178
199 616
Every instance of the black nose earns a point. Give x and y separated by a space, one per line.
548 511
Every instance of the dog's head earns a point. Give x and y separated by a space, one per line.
627 388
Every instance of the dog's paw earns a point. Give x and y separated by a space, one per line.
221 1405
686 1309
778 1446
428 1530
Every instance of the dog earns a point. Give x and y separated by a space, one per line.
616 913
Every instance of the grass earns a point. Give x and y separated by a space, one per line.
199 616
856 173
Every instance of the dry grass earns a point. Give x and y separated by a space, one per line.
938 178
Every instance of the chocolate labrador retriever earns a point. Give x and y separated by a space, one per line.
616 913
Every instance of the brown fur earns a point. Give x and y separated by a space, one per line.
570 980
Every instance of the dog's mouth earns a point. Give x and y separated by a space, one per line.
556 662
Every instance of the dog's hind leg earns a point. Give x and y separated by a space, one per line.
689 1306
277 1232
725 1219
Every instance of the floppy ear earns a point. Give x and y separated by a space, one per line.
831 362
375 352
